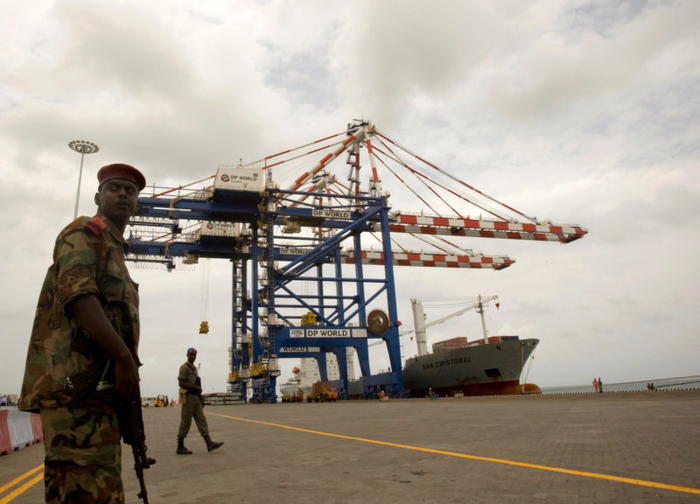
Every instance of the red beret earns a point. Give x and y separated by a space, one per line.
123 171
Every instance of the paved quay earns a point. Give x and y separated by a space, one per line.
639 447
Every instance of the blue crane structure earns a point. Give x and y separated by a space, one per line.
301 286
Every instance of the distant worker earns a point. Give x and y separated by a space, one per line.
600 385
595 385
192 405
84 340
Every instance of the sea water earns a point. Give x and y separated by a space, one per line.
679 383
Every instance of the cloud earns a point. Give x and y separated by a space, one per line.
559 69
583 112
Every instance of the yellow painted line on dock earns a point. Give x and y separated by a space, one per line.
619 479
20 490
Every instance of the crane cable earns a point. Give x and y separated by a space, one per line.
420 178
453 177
265 159
482 206
405 184
204 298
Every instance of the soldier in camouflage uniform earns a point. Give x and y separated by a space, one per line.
86 319
192 405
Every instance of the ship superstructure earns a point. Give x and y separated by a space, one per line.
490 365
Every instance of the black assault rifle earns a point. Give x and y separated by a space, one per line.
98 380
131 424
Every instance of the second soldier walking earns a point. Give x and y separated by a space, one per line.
192 405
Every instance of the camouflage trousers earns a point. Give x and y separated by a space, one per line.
83 454
192 408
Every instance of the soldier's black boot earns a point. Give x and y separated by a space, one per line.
181 450
211 445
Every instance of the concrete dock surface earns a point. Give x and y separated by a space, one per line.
637 447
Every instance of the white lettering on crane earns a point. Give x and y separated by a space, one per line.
328 333
300 349
293 349
331 214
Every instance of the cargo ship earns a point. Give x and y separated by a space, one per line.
487 366
292 387
300 385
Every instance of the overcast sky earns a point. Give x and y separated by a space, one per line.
580 112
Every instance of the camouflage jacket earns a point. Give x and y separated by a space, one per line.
188 374
88 258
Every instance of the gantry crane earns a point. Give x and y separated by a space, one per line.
299 253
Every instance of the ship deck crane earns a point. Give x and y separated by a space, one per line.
420 324
303 249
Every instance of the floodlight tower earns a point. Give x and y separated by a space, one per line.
83 147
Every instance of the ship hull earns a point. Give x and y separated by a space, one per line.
486 369
293 387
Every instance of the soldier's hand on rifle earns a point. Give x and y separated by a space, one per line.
90 315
